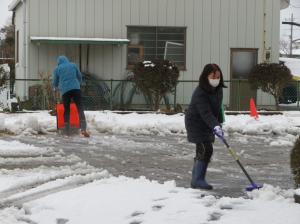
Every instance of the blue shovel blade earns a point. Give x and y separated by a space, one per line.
253 187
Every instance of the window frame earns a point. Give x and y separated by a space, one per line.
237 50
182 67
17 47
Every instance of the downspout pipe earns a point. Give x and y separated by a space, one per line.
264 31
25 61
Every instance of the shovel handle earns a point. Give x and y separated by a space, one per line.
222 139
234 155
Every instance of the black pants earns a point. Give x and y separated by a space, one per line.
74 94
204 151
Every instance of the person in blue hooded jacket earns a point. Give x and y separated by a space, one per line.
203 120
67 78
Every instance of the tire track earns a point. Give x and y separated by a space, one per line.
35 183
68 183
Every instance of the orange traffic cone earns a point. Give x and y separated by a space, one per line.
253 111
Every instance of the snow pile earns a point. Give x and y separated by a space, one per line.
28 123
266 125
134 123
152 124
271 193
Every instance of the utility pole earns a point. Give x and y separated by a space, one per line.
291 37
291 23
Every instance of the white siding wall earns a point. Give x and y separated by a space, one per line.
19 86
213 27
19 28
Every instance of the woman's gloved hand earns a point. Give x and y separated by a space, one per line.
218 131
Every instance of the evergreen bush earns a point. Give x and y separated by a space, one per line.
155 79
270 78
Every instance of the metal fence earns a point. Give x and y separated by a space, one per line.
37 94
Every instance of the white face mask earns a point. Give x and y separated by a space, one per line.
214 82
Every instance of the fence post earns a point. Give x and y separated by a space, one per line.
111 91
239 95
297 94
175 96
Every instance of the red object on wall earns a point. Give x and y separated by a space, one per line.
74 118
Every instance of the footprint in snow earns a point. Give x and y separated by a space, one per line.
62 221
136 222
137 213
157 207
214 216
160 199
226 207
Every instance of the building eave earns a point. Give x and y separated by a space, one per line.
13 5
78 40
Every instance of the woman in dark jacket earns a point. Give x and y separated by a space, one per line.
203 120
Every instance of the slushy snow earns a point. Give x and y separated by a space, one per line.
79 193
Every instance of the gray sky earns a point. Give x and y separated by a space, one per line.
285 30
4 13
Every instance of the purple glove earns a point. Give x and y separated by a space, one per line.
218 131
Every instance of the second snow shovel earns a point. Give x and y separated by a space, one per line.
253 185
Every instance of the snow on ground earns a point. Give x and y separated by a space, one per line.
77 193
18 149
293 64
126 200
287 125
161 124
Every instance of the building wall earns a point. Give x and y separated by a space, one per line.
213 27
20 65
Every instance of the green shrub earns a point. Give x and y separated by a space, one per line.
155 79
270 78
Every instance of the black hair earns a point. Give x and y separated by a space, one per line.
203 79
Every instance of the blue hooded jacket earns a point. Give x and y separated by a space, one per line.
66 75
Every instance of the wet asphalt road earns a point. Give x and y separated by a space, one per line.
165 158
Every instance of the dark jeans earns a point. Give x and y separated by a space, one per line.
74 94
204 151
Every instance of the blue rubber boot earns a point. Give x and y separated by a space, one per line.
198 176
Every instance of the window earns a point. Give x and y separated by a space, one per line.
149 43
243 60
17 47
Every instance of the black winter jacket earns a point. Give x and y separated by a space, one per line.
203 114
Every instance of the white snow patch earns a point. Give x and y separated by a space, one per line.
126 200
151 124
12 215
15 148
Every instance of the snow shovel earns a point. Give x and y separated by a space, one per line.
253 185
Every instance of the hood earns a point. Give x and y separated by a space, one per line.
62 59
